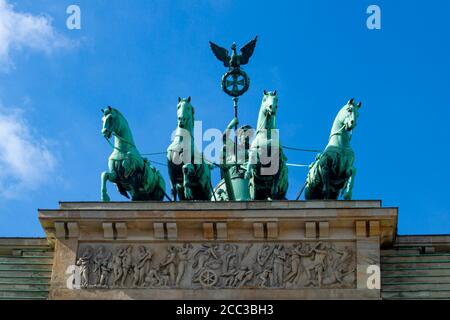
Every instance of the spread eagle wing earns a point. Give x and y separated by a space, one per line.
247 51
220 53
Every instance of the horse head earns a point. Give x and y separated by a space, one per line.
348 115
270 103
185 114
110 121
268 110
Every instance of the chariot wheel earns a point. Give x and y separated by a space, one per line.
208 278
235 82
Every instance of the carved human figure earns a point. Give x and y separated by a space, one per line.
169 264
279 258
230 257
263 256
152 278
127 262
264 277
244 275
117 266
102 267
205 253
164 278
244 254
183 258
229 277
314 263
243 134
84 262
233 167
142 265
342 266
294 273
320 255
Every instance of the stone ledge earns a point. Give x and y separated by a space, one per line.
194 205
280 222
218 294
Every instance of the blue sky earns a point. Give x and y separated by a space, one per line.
139 56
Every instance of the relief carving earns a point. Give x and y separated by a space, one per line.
216 265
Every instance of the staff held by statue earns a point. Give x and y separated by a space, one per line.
235 82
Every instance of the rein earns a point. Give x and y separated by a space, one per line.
339 132
123 140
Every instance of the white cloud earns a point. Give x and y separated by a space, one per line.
26 160
23 30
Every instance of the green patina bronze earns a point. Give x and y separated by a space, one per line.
249 171
267 171
235 82
234 186
190 175
333 173
127 168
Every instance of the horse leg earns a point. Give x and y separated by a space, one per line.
162 187
173 180
251 188
280 185
274 192
104 178
325 177
281 180
208 187
188 195
173 190
348 190
248 172
308 192
186 183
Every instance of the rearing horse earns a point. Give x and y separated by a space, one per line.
333 172
190 175
127 169
267 171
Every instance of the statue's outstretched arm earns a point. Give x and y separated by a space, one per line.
228 144
233 123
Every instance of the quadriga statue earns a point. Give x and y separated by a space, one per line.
190 175
132 173
333 173
267 171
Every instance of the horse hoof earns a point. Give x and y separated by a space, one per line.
188 194
348 196
105 198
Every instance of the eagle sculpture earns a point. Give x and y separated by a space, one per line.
235 60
